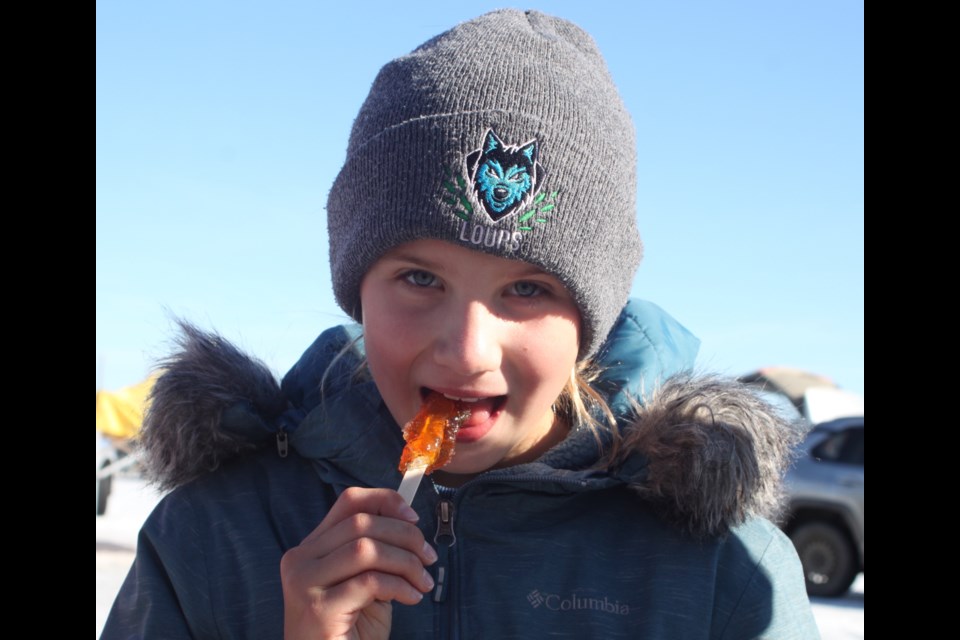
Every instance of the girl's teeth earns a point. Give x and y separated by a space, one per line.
461 399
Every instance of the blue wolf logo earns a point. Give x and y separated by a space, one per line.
504 177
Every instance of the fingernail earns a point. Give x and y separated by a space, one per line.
407 513
429 553
427 578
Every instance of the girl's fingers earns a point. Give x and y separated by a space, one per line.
366 555
354 558
347 571
381 502
366 549
364 589
359 607
360 526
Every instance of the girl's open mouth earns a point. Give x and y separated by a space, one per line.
482 413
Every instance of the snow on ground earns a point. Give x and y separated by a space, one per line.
841 618
132 501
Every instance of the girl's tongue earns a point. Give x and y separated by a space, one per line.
480 411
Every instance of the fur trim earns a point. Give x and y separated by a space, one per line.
202 406
716 453
706 452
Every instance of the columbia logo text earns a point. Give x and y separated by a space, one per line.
576 602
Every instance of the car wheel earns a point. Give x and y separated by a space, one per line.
829 567
103 492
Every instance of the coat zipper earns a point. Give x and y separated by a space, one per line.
444 539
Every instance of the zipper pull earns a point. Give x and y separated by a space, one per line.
282 444
444 539
445 534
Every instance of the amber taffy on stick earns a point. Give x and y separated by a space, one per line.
431 436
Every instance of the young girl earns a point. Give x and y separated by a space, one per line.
482 231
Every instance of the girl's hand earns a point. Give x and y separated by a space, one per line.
339 582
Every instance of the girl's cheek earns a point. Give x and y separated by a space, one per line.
392 342
553 340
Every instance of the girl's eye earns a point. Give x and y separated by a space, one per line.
526 289
420 278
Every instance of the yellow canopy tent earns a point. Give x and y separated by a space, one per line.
119 413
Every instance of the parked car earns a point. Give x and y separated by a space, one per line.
825 514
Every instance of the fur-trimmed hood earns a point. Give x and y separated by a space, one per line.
706 452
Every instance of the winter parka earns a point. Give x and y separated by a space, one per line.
667 539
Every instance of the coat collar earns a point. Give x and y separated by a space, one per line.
705 451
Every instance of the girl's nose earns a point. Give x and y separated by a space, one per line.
468 342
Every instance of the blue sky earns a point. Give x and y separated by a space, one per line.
221 126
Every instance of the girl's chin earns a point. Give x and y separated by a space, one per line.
448 478
462 467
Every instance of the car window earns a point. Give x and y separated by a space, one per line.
852 451
845 447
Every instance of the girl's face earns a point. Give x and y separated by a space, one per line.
438 317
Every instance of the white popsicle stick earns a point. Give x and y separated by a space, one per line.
410 483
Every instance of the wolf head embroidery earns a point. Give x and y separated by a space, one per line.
504 177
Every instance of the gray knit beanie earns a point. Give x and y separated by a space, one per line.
505 135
